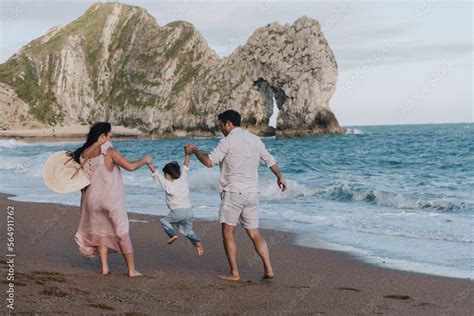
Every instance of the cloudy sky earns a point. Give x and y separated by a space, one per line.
399 62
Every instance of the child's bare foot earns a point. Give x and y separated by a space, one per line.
229 277
134 273
199 248
172 240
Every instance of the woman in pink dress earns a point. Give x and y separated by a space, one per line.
103 226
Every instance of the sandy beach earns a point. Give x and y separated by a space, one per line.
52 278
71 132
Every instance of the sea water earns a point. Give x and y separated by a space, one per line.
397 196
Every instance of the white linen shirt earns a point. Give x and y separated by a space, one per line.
239 155
176 191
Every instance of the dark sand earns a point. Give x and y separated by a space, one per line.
51 276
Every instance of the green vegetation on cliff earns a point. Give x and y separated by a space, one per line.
20 74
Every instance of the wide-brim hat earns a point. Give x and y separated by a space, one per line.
63 174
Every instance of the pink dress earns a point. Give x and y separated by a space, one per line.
104 220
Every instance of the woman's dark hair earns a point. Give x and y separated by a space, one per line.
230 115
173 170
94 133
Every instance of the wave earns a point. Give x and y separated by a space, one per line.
13 143
204 180
346 193
303 218
270 189
354 131
207 181
12 164
424 234
28 165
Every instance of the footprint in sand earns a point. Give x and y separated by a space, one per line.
422 304
54 291
397 297
299 286
101 306
43 277
348 289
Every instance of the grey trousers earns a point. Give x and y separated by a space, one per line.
183 218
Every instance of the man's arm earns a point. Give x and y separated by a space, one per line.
281 182
268 159
202 157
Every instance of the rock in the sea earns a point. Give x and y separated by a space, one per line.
116 63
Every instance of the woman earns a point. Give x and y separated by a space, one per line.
104 222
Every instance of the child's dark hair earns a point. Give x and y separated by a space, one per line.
173 170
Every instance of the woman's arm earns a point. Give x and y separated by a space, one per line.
126 164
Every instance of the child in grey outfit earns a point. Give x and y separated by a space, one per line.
174 182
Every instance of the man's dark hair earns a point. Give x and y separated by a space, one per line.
230 115
173 170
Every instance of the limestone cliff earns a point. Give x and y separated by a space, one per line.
116 63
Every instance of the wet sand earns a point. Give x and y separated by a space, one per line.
66 133
52 278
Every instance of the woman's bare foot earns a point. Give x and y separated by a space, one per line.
105 272
199 248
134 273
172 240
229 277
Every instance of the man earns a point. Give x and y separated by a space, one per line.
239 154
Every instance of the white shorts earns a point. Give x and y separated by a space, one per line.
241 207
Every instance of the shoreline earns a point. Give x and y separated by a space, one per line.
308 239
66 133
79 132
53 277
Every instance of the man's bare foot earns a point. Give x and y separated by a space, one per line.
172 240
199 248
268 276
134 273
105 272
229 277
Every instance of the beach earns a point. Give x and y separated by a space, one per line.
64 133
51 277
379 200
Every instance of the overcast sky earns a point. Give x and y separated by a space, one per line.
399 62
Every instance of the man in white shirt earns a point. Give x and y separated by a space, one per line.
238 154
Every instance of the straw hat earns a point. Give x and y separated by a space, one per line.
63 174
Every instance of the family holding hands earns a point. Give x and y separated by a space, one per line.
104 224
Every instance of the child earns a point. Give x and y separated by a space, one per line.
174 183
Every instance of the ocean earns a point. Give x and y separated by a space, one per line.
395 196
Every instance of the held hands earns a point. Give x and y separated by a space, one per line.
281 184
147 159
189 148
